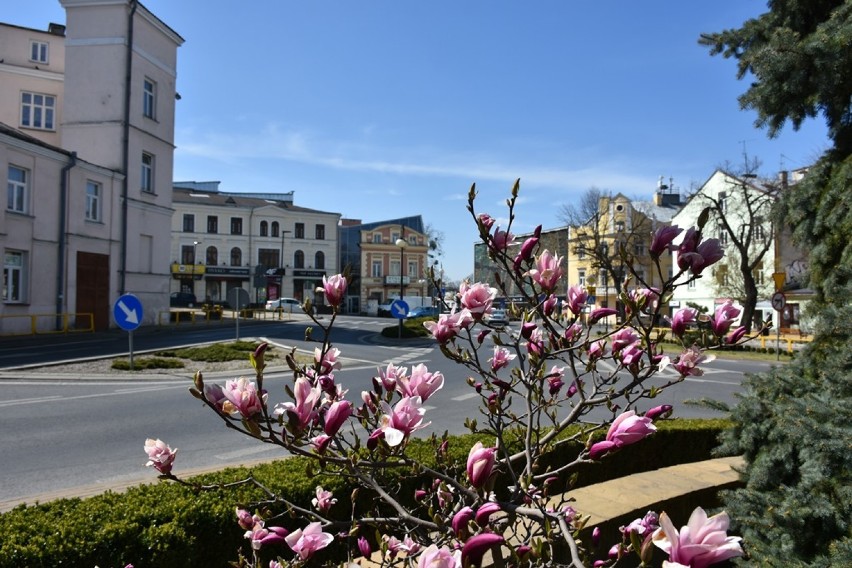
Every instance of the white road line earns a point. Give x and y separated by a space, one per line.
29 400
249 451
467 396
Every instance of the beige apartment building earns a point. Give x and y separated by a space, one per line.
394 260
260 242
87 111
614 245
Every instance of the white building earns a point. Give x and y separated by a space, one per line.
747 204
87 147
260 242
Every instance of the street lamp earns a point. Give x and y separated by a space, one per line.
401 243
281 266
194 262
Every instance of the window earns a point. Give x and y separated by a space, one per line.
320 232
147 178
38 51
377 268
300 231
37 110
93 201
412 269
319 260
236 257
639 249
264 229
581 252
275 228
723 201
619 226
691 284
149 98
236 225
377 238
14 281
759 231
395 267
187 254
212 256
723 236
299 259
18 190
581 277
188 223
212 224
394 238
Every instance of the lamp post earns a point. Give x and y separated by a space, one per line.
281 266
194 262
401 243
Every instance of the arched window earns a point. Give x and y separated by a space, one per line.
319 260
264 228
299 259
236 257
275 228
212 256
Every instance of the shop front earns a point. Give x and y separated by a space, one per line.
305 283
219 280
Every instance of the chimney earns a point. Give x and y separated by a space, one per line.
782 179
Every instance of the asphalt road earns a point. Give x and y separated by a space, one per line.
66 437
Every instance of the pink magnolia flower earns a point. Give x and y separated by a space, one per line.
501 358
658 412
555 379
736 335
476 547
246 520
647 524
622 338
577 298
600 313
480 464
477 298
547 271
725 316
687 363
395 546
261 536
597 349
320 443
338 413
535 345
434 557
629 428
681 318
484 512
704 254
302 410
549 305
328 361
663 238
572 332
421 383
501 240
324 500
449 325
242 397
460 520
305 542
160 455
631 354
687 245
702 542
391 375
405 418
486 220
364 547
335 289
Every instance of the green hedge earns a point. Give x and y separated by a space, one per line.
169 525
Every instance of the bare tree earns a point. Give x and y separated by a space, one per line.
745 226
585 209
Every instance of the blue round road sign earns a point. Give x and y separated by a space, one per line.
399 309
127 312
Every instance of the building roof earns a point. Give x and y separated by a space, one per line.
197 196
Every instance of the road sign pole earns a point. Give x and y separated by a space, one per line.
130 347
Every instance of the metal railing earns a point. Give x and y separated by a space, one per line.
43 324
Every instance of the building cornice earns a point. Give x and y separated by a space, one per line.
34 73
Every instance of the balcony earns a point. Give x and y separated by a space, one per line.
395 280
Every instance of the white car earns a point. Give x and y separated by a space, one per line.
287 305
497 317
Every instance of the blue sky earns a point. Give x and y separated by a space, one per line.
380 109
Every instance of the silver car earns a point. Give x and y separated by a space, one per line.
287 305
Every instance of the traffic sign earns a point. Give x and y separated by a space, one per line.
779 301
399 309
127 312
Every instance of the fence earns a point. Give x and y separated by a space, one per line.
43 324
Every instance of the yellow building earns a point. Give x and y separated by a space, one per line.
609 253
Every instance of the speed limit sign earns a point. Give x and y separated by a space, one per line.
779 301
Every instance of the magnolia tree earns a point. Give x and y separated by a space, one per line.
547 386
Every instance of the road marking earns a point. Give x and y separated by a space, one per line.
249 451
467 396
29 400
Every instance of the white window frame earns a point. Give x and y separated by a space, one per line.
377 238
14 276
395 267
94 195
39 51
149 98
17 190
38 111
412 269
581 277
148 164
377 269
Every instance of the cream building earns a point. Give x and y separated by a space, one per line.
260 242
394 259
88 140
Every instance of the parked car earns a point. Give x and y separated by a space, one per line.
385 308
497 317
288 305
182 300
422 312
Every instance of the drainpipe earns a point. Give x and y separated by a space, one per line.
60 263
125 158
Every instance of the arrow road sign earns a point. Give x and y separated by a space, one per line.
127 312
399 309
